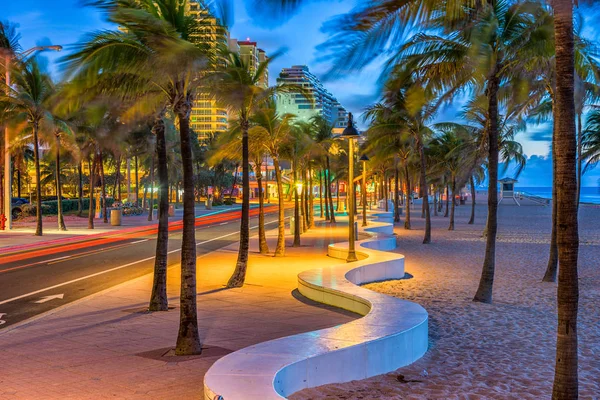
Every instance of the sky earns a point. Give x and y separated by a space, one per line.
64 22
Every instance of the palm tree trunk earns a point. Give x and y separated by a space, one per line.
262 237
337 194
408 192
385 193
280 248
137 182
311 205
151 205
239 275
235 176
118 179
329 182
485 290
92 208
158 299
188 339
579 159
566 379
321 195
396 193
552 266
473 193
103 188
447 200
38 186
451 226
424 191
303 205
80 190
61 220
296 208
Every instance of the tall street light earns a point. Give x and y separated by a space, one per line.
364 160
7 158
351 134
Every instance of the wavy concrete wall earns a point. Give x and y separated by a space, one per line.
393 332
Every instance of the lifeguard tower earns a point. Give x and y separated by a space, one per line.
507 189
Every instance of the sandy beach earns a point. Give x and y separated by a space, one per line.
477 351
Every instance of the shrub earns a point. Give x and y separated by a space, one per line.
51 207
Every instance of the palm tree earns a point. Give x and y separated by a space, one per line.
481 54
272 131
28 102
238 88
158 43
61 129
323 137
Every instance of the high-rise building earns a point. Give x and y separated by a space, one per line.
252 56
207 117
322 103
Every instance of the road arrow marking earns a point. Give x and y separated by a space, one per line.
48 298
2 322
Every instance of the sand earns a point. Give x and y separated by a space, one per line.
478 351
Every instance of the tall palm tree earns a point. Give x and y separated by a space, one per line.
238 87
28 102
323 137
158 42
481 54
272 131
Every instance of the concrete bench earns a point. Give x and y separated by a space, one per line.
393 332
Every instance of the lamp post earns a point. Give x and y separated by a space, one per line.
7 158
364 160
351 134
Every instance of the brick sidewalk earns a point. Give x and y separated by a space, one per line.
106 346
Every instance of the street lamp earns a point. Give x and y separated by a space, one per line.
7 158
351 134
364 160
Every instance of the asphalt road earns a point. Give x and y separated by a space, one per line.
33 285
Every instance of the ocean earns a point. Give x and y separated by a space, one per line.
588 194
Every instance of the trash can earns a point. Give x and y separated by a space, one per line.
292 223
208 204
115 216
171 210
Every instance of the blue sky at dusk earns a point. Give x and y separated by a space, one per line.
64 22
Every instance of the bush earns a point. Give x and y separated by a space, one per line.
51 207
229 202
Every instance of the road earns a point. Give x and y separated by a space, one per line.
38 280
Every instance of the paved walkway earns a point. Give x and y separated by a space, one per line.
106 346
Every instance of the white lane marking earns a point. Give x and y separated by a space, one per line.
56 259
139 241
48 298
2 322
223 223
110 270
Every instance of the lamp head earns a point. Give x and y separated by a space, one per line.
350 132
